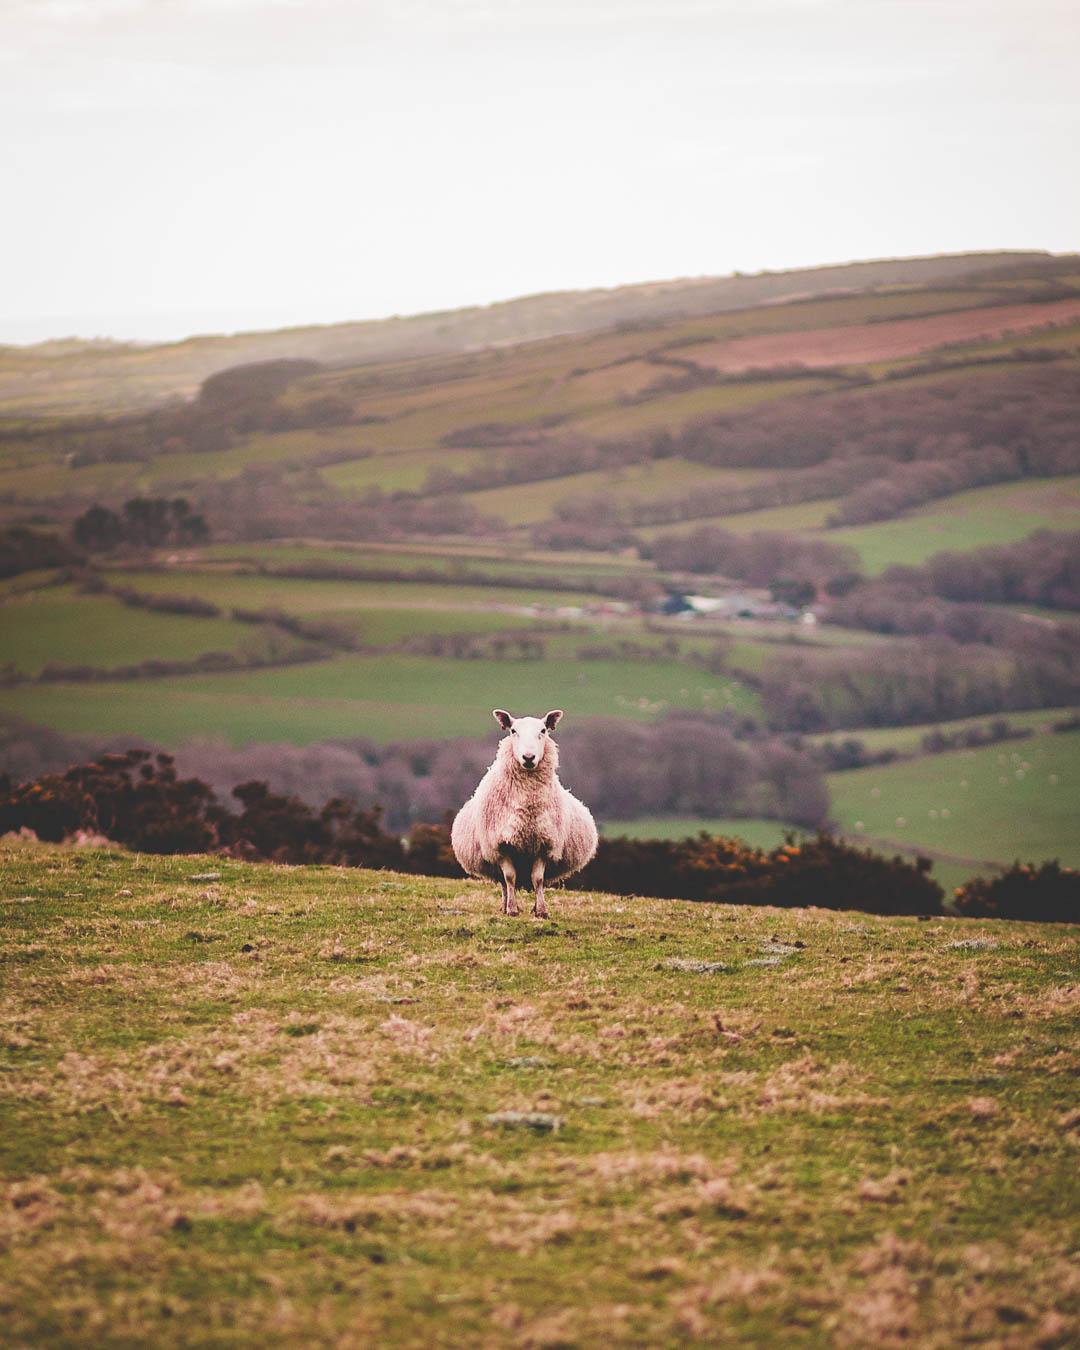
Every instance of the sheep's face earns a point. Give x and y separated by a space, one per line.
528 735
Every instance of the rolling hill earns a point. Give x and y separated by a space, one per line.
683 500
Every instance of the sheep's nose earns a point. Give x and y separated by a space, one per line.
528 760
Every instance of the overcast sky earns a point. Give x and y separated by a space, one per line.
178 166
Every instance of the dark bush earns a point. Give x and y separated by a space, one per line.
823 872
25 550
143 522
1047 893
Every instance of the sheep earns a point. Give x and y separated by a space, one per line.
521 822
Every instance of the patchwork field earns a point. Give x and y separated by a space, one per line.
308 1106
859 344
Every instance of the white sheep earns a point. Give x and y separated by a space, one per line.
521 821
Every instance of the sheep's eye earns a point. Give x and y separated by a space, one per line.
513 731
542 732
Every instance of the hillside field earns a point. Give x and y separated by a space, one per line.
997 803
282 1107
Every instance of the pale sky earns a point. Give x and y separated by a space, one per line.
179 166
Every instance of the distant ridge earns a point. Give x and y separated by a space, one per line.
117 375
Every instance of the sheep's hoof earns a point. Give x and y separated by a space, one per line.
540 911
511 910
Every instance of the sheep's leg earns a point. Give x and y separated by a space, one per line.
509 883
540 909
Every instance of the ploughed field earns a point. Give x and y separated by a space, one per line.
308 1106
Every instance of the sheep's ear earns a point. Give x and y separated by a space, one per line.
551 721
502 717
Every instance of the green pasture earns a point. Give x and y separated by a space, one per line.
496 559
387 696
1001 514
766 834
526 503
316 1108
405 471
802 516
60 626
671 412
1018 799
908 740
331 598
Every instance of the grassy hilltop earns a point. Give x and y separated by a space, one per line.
249 1105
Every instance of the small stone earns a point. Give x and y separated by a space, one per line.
526 1062
205 876
694 966
541 1121
765 961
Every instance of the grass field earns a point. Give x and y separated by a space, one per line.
765 834
1001 514
908 740
310 1107
335 598
405 471
384 696
801 517
1019 799
58 625
525 503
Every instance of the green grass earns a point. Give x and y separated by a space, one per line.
671 413
908 740
1001 514
301 596
405 471
526 503
1019 799
386 697
256 1110
60 626
800 517
765 834
494 558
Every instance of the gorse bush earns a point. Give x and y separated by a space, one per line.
139 800
823 872
1049 893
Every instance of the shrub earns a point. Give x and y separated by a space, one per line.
1048 893
26 550
823 872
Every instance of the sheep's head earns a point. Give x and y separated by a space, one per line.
528 735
